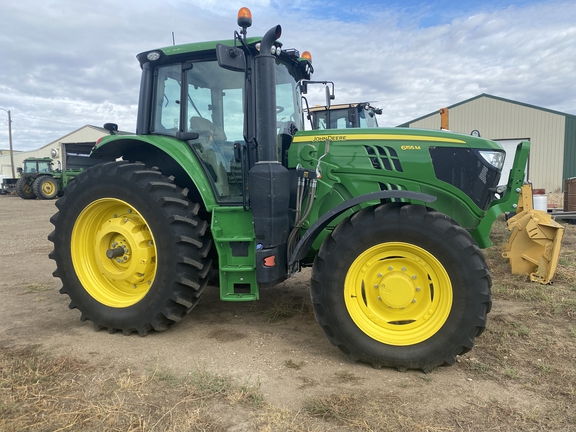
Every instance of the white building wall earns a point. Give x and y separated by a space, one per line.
84 134
498 119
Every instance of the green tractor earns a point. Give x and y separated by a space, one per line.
39 180
221 178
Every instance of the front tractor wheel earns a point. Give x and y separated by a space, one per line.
129 248
401 286
46 187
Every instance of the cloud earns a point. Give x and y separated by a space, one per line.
527 54
69 63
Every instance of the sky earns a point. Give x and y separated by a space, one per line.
68 63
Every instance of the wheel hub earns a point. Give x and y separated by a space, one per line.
132 249
397 290
48 187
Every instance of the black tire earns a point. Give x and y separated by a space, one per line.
387 252
46 187
163 252
24 188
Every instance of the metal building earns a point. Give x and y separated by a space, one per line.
552 134
69 151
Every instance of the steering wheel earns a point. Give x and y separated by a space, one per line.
279 109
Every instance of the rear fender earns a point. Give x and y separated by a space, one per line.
175 155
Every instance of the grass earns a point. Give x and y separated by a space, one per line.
340 407
530 339
346 377
34 288
291 364
288 306
39 392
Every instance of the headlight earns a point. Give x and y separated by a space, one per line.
493 157
154 55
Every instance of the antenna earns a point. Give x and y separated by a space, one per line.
173 40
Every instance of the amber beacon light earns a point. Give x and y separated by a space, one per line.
307 56
244 17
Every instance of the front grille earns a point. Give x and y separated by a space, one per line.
466 169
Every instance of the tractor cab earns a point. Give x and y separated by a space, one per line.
206 95
38 166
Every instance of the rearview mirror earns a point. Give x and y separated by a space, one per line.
231 58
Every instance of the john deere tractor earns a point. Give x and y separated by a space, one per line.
38 179
221 178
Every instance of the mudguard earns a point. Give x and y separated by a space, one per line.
310 235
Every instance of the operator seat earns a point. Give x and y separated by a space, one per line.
205 128
211 153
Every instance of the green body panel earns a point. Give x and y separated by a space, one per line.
66 176
347 171
179 151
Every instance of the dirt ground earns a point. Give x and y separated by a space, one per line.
277 343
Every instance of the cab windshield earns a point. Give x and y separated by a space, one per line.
37 166
204 98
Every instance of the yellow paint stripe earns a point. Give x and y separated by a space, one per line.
373 137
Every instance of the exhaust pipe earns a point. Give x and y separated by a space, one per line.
268 179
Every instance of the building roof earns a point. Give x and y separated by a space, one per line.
95 128
486 95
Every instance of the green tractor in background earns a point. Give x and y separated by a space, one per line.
39 180
343 116
221 178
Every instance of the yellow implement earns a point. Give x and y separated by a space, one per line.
534 245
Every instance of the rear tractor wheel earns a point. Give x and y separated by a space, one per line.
129 248
46 187
24 188
401 286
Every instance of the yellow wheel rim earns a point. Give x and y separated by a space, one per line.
112 226
398 293
48 187
27 188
